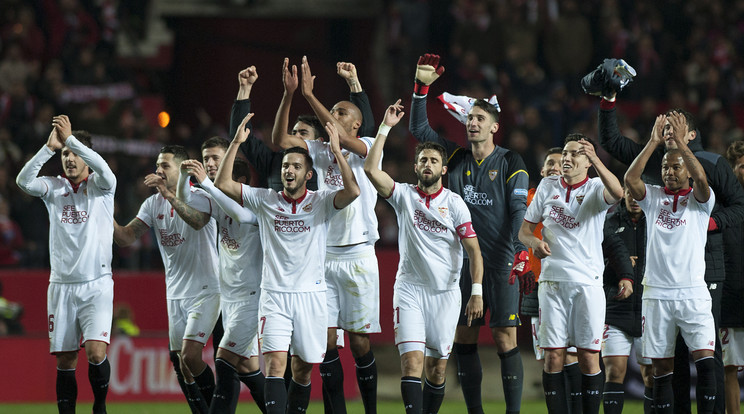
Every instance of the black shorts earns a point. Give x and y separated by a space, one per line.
501 298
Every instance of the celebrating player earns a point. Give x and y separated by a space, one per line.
675 296
434 222
493 183
240 259
292 308
572 209
186 238
351 270
81 291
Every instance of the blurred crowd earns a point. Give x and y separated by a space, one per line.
59 56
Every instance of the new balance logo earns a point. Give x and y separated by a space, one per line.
555 197
160 216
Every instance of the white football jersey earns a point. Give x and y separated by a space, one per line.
81 218
241 256
430 230
573 219
357 222
189 256
293 236
676 232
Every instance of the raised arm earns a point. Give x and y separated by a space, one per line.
350 143
633 180
611 139
195 169
380 179
699 179
193 217
27 178
224 180
279 135
104 177
126 235
351 190
358 97
613 190
427 71
474 308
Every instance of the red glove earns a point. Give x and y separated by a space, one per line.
522 270
427 71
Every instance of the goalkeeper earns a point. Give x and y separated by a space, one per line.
493 182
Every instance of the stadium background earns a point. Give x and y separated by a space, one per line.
113 66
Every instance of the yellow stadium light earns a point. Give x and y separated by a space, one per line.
163 119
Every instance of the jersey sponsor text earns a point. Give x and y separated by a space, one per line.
422 223
666 221
557 214
70 215
475 198
170 240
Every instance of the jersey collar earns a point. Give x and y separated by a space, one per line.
564 184
428 197
570 187
294 202
678 192
76 186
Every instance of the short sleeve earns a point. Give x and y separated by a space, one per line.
461 219
535 209
145 212
317 149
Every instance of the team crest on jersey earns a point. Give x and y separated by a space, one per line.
443 211
580 199
160 216
308 208
684 202
492 174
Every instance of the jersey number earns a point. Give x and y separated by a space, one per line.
725 338
51 323
263 323
397 314
604 334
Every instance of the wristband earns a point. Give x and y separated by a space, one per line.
419 88
384 129
476 290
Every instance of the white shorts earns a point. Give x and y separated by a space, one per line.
425 316
192 319
241 327
662 319
571 313
539 352
732 344
616 343
76 310
293 318
353 290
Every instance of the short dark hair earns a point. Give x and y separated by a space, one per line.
484 105
430 146
215 142
301 151
734 152
315 124
83 137
577 137
689 119
241 169
554 150
178 151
